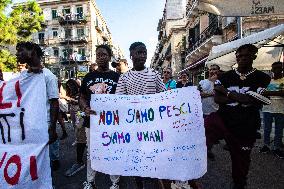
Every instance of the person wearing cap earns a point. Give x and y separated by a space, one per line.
121 66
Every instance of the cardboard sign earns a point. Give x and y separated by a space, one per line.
159 136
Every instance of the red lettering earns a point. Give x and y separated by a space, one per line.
33 168
3 159
18 93
15 179
4 105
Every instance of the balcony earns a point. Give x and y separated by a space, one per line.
42 42
78 59
191 8
74 40
210 37
98 28
72 19
44 24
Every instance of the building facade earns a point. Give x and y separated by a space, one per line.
171 39
204 30
72 31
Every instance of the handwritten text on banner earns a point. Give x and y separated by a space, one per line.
159 136
24 158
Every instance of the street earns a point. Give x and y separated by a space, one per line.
267 171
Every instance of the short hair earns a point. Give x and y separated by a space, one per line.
136 44
252 48
31 46
184 73
106 47
69 92
168 68
277 63
216 66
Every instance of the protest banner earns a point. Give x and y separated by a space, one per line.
160 135
24 157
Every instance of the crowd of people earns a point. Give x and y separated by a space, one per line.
230 113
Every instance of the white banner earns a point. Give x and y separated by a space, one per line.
159 136
24 157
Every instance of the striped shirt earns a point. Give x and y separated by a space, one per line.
142 82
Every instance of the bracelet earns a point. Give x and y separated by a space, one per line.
228 93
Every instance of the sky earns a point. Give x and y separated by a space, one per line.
132 20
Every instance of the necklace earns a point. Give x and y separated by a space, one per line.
244 76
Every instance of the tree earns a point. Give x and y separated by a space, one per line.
24 20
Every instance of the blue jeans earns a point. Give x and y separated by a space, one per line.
54 151
279 125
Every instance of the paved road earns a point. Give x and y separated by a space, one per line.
267 171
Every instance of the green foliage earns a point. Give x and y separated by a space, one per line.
7 61
24 20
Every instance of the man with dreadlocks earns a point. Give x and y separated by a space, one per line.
30 53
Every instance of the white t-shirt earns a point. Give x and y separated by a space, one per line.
52 91
208 103
277 102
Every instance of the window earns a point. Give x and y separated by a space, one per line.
67 53
80 32
40 36
66 11
54 32
82 51
55 52
81 54
80 12
196 32
54 14
68 33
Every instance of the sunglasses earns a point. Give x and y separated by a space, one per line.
167 72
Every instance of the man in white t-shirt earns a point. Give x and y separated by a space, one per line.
31 53
206 88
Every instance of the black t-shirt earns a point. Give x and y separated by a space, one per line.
242 120
110 78
180 85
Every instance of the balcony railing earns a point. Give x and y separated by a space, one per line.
74 40
79 59
42 41
212 29
72 19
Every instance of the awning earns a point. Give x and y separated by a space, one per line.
270 43
193 65
240 7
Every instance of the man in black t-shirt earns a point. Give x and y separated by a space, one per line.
238 111
102 80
